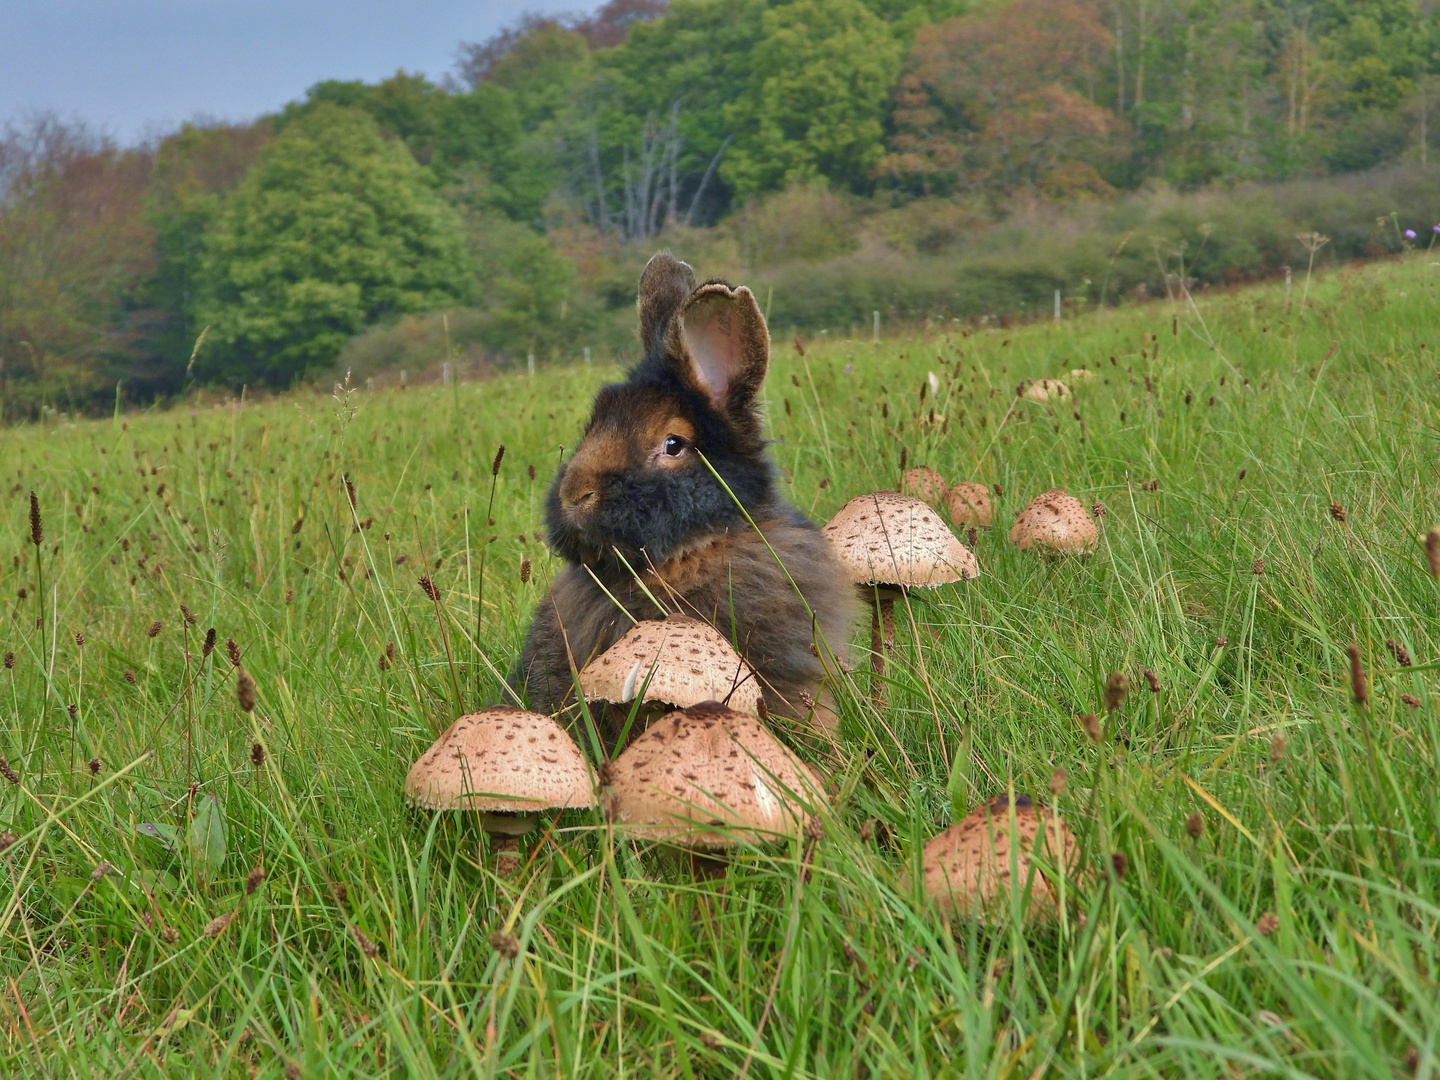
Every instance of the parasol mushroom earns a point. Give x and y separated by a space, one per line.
1056 522
508 764
925 484
890 543
967 868
671 663
969 504
707 778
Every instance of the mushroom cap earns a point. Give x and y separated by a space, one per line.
892 539
969 503
1080 374
687 661
501 759
1055 521
710 777
925 484
1045 389
967 867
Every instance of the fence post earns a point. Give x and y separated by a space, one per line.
1057 305
875 315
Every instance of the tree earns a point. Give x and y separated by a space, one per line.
819 82
332 229
1004 100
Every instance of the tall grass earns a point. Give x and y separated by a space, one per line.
1289 930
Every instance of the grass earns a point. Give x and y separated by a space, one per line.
371 948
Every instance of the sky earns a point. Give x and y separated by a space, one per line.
137 68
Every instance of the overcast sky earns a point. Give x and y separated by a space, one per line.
137 67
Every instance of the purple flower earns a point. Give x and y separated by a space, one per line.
849 366
1436 229
1409 234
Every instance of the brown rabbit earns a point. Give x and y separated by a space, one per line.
637 491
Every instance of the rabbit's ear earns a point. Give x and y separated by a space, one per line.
664 285
720 342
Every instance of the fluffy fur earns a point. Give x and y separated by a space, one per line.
624 497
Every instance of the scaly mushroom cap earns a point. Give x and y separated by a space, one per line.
1045 389
1080 374
686 661
709 777
925 484
967 867
1055 521
501 759
892 539
969 503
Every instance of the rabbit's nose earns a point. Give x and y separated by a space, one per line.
577 503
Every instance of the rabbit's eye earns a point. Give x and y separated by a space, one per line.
674 446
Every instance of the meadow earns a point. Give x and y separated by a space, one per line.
188 888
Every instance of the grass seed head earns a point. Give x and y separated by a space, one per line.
209 646
1119 864
1195 825
8 771
1411 700
972 536
170 935
524 571
1151 681
245 691
1277 748
80 639
37 527
367 946
999 491
1398 651
350 490
1116 687
216 926
289 595
499 457
428 588
95 765
257 754
232 652
1358 690
1091 723
505 943
1058 779
73 709
1258 567
1267 924
7 840
101 869
189 615
1432 552
1338 512
129 676
9 660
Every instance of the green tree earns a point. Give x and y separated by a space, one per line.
820 80
332 229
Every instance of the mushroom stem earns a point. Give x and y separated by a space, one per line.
708 867
507 854
877 657
887 614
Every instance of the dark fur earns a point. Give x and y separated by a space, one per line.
677 527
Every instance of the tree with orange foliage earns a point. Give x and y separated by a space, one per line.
1004 100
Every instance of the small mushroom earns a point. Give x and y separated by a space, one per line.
1080 374
1055 522
671 663
707 778
925 484
508 764
890 543
969 504
1045 389
968 866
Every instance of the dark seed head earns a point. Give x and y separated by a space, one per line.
1411 700
1267 924
129 676
1119 863
1116 687
289 595
1277 748
9 660
257 754
506 944
95 765
499 457
368 947
1258 567
1195 825
37 528
73 710
245 691
80 638
1058 780
1357 676
1432 552
1338 512
8 771
7 840
524 571
209 645
1091 724
232 652
350 490
254 879
1151 681
428 588
1399 652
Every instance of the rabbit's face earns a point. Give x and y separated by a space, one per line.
641 480
637 483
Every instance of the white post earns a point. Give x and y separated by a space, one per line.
875 315
1057 305
370 384
531 362
587 355
402 377
445 374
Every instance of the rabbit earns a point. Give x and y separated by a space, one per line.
636 499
